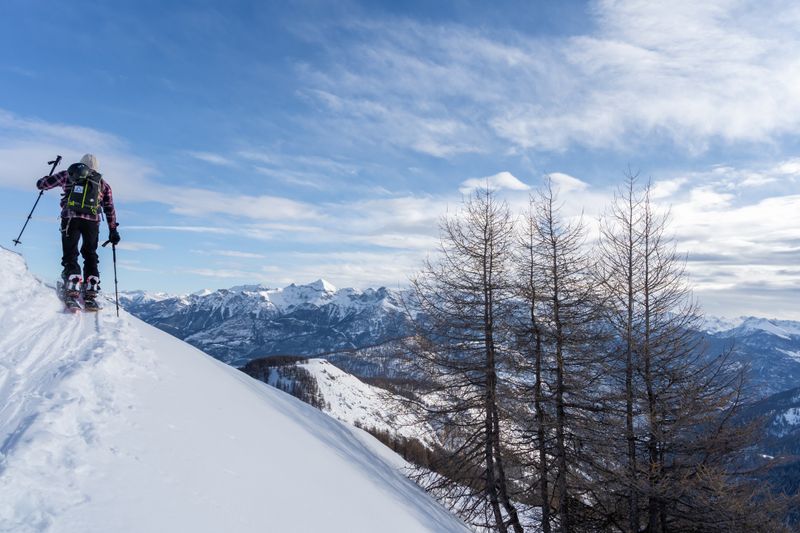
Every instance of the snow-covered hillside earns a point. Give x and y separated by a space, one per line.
351 400
347 398
109 424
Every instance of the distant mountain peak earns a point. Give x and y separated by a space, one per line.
202 292
780 328
772 326
322 286
243 288
250 321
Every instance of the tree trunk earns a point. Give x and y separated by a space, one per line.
633 494
513 517
561 450
654 471
544 491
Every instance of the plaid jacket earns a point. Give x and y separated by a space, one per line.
61 179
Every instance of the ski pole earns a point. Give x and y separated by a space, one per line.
116 289
55 164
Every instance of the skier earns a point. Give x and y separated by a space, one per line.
85 193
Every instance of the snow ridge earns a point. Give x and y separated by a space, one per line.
109 424
749 324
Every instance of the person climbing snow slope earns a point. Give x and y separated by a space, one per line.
85 195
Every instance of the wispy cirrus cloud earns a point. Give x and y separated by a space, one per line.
236 254
26 144
226 273
351 268
211 157
23 141
133 266
182 229
133 246
25 129
204 202
691 73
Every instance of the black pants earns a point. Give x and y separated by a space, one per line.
73 230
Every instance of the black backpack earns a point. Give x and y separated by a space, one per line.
83 189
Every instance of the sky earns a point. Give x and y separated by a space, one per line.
282 142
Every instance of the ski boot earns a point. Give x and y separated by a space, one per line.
72 293
90 290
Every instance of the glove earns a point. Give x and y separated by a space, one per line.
113 236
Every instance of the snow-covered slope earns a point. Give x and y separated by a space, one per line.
109 424
345 397
351 400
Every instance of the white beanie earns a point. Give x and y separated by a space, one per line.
90 161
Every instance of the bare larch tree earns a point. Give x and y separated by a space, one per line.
678 403
463 301
563 330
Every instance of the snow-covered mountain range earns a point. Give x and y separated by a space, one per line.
770 347
246 322
736 327
108 424
354 329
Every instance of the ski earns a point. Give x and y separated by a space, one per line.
72 304
91 306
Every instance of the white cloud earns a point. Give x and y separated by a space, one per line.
210 157
133 246
309 171
694 73
567 184
240 255
789 168
666 188
205 202
742 237
25 129
236 254
502 180
756 179
133 267
186 229
738 225
293 177
25 145
352 269
225 273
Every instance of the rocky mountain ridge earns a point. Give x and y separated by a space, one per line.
246 322
357 329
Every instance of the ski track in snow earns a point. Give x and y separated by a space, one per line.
107 424
48 399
